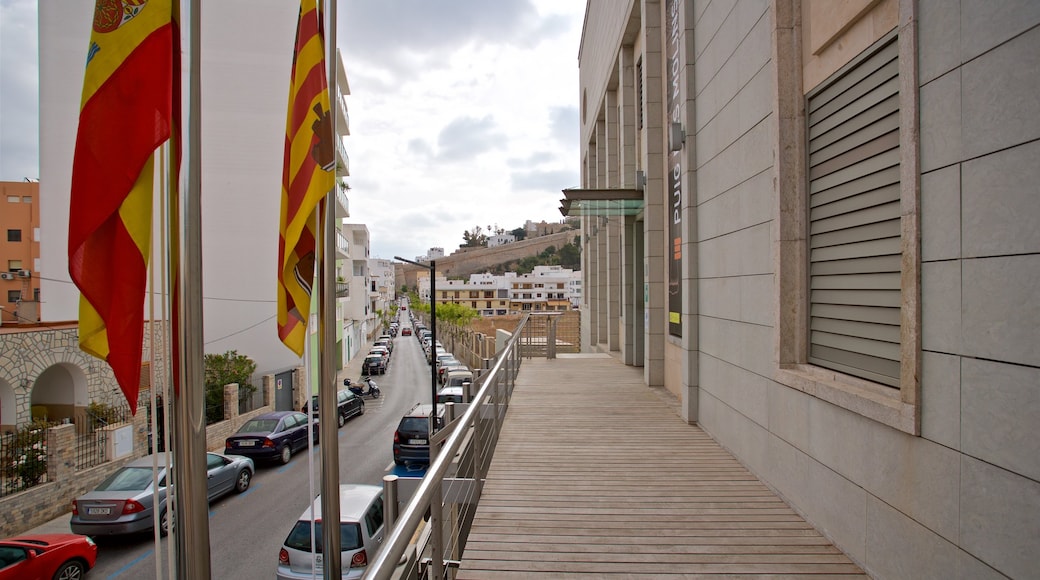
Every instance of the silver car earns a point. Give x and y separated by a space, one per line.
125 502
360 532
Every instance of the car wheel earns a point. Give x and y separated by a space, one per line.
243 480
398 461
340 420
165 523
361 409
286 455
71 570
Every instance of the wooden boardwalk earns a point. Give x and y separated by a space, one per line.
595 475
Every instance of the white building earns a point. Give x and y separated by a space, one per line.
245 85
357 309
500 239
382 287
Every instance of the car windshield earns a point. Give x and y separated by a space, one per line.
300 536
127 479
259 426
415 424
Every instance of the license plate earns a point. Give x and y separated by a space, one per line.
98 511
417 442
246 443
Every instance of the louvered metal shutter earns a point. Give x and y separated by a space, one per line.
854 236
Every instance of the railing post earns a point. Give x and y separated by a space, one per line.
390 503
550 338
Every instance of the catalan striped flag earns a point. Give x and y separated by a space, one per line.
308 174
130 106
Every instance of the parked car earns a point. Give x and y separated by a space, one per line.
381 350
360 533
458 378
46 556
450 395
442 373
374 364
125 502
347 403
272 436
412 437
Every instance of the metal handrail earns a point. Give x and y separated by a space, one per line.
393 550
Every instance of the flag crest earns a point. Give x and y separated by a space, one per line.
129 107
308 174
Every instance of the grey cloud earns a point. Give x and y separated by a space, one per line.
563 125
19 91
419 147
403 35
554 180
536 158
466 137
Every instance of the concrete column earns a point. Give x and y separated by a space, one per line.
61 452
656 209
627 163
230 401
268 386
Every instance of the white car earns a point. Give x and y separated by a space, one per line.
361 532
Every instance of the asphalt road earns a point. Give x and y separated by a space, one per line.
246 531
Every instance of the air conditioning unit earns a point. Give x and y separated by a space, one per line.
24 273
6 275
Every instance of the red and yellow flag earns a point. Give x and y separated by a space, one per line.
130 106
308 174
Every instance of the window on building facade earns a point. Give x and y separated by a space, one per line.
848 221
13 199
14 296
14 265
14 235
855 249
639 93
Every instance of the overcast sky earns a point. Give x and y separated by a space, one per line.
463 113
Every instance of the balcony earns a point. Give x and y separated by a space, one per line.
342 116
342 160
341 199
342 247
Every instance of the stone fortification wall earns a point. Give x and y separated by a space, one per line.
475 260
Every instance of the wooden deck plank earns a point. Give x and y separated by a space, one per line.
595 475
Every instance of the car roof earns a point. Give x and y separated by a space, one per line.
423 410
450 391
354 499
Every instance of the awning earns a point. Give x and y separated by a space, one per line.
601 202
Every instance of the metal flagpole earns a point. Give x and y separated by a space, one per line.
191 537
327 406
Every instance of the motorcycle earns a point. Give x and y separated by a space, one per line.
372 392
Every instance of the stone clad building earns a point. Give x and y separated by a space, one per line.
815 224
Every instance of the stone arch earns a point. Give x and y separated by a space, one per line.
59 393
8 407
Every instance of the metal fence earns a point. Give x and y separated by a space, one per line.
24 457
449 493
91 435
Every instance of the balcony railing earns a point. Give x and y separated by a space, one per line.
342 199
342 160
342 246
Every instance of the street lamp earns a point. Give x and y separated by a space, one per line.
433 334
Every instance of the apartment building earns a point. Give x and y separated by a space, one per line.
814 223
545 289
19 252
486 293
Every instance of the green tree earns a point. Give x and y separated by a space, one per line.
474 238
519 233
224 369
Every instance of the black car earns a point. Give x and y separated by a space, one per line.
412 437
374 364
349 405
271 436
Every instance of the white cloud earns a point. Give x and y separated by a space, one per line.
447 101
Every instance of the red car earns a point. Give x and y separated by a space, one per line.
46 556
406 331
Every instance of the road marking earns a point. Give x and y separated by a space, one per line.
131 564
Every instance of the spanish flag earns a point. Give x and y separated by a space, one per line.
308 174
130 106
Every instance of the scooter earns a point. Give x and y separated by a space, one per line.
372 392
